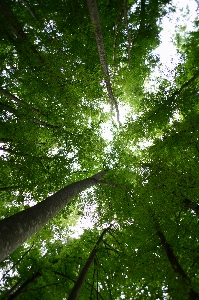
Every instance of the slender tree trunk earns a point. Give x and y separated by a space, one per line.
142 15
174 262
116 31
12 290
21 102
82 276
127 29
15 230
20 39
170 255
23 287
94 16
31 11
20 115
16 29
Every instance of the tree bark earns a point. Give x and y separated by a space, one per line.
12 290
23 287
31 11
94 16
20 115
82 276
16 29
16 34
127 29
175 263
16 229
19 101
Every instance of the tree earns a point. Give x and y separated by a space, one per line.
82 276
61 64
16 229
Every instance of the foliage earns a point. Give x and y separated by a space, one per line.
53 102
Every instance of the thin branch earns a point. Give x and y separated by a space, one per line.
111 233
14 265
108 183
110 247
68 277
91 293
173 259
6 140
171 98
20 39
186 84
20 115
192 205
44 286
64 275
96 264
108 283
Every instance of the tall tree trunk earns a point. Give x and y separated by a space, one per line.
22 115
19 101
12 290
13 26
31 11
82 276
175 263
23 287
15 230
16 34
94 16
127 29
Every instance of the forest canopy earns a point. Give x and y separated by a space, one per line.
70 70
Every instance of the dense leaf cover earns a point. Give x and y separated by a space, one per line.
53 101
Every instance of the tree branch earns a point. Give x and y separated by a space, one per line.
18 261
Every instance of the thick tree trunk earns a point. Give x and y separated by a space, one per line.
82 276
94 16
15 230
